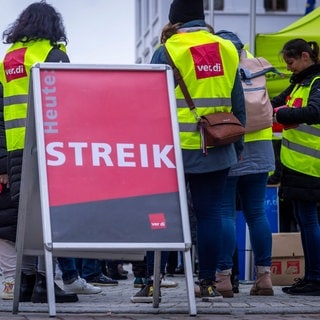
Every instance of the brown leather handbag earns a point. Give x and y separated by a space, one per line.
220 128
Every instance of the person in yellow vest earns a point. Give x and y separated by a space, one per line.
8 220
248 180
298 109
208 65
37 35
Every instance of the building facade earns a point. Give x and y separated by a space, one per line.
234 15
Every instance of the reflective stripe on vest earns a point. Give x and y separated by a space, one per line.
15 74
300 150
208 65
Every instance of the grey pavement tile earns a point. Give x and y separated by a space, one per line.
114 303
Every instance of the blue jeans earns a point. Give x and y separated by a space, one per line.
144 269
308 221
251 190
88 268
150 263
68 269
207 191
71 268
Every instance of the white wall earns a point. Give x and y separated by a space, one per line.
99 31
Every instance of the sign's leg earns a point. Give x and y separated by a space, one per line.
17 282
20 246
249 268
50 283
189 282
156 279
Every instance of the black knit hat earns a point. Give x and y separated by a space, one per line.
186 10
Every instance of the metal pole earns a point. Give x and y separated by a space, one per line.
252 26
211 7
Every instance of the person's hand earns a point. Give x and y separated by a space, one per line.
275 110
285 126
4 179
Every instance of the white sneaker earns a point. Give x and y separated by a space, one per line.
7 291
80 286
167 283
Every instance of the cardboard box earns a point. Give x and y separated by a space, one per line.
287 258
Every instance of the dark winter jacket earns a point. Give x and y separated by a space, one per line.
8 211
309 115
295 185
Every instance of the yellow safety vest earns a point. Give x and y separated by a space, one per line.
264 134
15 74
300 149
208 65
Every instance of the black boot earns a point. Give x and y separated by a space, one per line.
26 287
235 272
39 294
114 273
235 283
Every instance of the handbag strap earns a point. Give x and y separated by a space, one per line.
181 83
188 98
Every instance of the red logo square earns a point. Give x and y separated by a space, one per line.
207 60
157 221
293 267
14 64
297 103
276 267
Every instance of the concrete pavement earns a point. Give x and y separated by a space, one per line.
114 303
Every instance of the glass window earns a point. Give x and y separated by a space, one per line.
218 5
276 5
206 5
147 13
139 18
155 8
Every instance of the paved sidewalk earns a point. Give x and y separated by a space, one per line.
114 303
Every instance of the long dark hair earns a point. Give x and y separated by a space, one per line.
38 21
294 48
